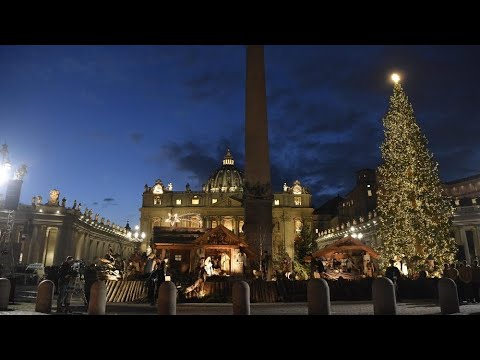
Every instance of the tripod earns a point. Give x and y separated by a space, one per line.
79 289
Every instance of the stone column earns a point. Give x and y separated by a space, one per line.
61 249
86 247
93 248
477 240
456 231
26 248
463 238
4 293
80 245
44 243
33 246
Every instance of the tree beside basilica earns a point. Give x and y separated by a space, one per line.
415 216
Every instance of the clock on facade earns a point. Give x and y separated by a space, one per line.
157 189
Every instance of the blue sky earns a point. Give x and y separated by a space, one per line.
99 122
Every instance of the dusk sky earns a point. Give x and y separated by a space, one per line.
100 122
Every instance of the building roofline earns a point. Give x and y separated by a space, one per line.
462 179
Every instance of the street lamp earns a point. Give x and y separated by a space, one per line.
10 205
6 165
137 236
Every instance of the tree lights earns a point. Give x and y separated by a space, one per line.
415 217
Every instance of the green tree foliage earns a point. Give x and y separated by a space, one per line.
415 216
305 244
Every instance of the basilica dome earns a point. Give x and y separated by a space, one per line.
227 178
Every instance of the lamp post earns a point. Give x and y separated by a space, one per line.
10 205
137 236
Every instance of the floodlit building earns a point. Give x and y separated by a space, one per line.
173 220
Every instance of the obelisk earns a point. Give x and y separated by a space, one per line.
257 191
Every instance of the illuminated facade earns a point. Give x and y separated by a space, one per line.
48 232
465 195
355 214
221 203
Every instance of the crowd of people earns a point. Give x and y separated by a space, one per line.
467 279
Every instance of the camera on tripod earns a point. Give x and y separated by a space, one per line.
79 267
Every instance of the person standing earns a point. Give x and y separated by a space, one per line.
465 279
66 279
287 266
366 261
476 281
156 278
393 273
266 265
90 277
445 272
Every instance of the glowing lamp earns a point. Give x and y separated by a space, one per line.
395 78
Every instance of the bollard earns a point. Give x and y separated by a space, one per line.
4 293
383 294
44 300
98 298
241 298
13 285
318 296
448 296
167 299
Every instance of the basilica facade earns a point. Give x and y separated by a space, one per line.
180 217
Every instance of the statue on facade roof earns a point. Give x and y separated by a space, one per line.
54 195
21 172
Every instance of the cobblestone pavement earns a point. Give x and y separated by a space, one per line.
26 306
338 308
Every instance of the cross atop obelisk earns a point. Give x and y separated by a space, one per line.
258 194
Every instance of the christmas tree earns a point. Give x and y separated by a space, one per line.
415 216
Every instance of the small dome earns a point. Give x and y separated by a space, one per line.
227 178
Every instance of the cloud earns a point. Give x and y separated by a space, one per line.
218 85
108 200
137 137
199 160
